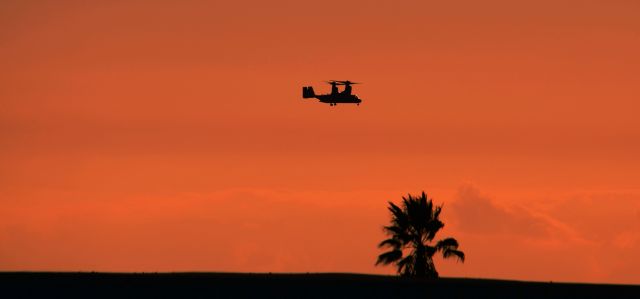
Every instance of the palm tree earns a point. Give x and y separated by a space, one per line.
413 227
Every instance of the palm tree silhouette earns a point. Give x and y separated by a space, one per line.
413 227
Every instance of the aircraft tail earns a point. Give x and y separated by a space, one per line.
307 92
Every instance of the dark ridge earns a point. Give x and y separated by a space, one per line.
314 285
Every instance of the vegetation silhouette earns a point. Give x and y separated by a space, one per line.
414 224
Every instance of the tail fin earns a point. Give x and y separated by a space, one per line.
307 92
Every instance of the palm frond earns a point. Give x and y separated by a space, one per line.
447 253
447 243
393 230
397 214
436 212
389 257
393 243
433 227
406 265
397 232
430 250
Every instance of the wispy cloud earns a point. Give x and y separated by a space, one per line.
585 237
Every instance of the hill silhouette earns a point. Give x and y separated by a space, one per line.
321 285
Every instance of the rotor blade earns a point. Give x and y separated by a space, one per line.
339 82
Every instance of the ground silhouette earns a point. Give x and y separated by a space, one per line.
327 285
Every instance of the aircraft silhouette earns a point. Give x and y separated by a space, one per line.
334 97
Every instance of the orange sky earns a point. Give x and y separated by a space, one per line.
171 135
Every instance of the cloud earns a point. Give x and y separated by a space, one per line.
476 213
600 216
591 237
231 230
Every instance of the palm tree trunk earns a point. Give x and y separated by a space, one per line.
431 272
421 267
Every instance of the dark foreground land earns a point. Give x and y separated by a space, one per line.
237 285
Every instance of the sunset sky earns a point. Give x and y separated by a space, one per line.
172 135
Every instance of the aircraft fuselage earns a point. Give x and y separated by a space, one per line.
338 99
